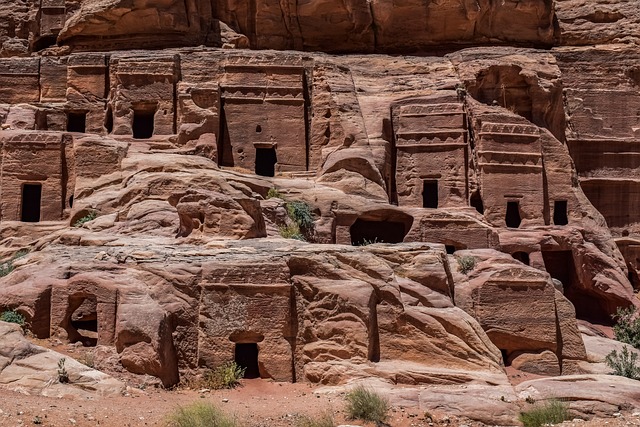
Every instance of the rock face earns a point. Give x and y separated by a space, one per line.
30 369
462 208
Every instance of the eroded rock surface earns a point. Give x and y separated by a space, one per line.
462 206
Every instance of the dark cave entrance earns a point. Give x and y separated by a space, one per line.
364 232
246 356
476 202
77 122
561 266
512 218
560 212
266 160
143 122
31 198
430 194
523 257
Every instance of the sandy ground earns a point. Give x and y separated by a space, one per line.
256 403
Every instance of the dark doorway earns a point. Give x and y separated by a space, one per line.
76 122
560 212
31 197
505 357
476 202
365 232
266 161
108 120
560 266
430 194
523 257
450 249
247 357
512 218
143 123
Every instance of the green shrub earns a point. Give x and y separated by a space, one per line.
200 414
466 264
323 420
227 375
624 364
300 213
291 231
273 193
627 328
12 316
88 217
552 412
6 268
364 404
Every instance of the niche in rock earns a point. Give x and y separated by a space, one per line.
512 218
389 230
84 320
560 212
523 257
76 122
505 86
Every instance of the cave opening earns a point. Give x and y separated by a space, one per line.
507 87
560 212
364 232
76 122
505 357
246 356
430 194
143 123
31 199
476 202
512 218
523 257
561 266
266 160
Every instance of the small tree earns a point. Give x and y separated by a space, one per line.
627 327
624 364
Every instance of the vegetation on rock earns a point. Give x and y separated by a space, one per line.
624 364
7 267
325 419
200 414
627 327
466 264
552 412
12 316
227 375
364 404
63 375
273 193
88 217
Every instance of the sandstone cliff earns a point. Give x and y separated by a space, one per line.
467 199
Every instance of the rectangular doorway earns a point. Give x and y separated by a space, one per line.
31 198
430 194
